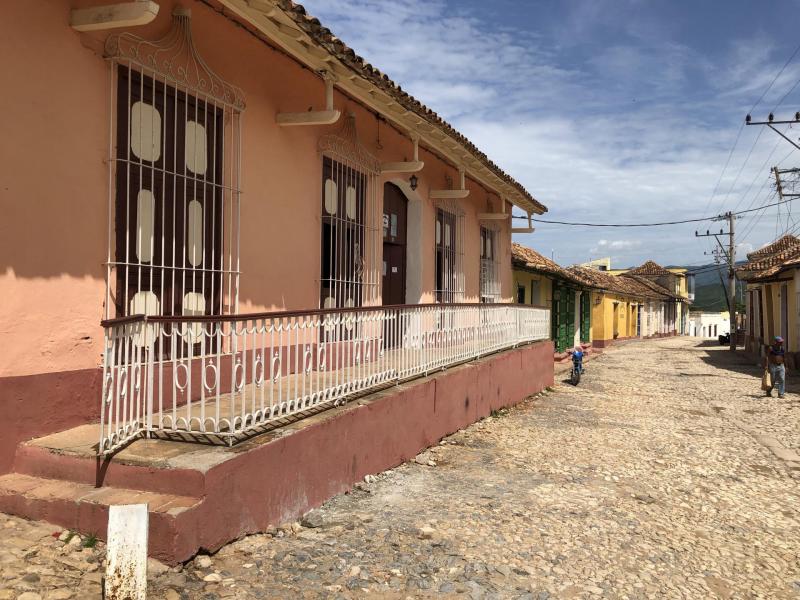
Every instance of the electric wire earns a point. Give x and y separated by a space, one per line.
661 224
774 79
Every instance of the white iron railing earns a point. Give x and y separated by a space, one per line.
229 376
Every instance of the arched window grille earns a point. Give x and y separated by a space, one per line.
449 240
174 176
349 275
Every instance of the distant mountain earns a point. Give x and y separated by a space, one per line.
709 291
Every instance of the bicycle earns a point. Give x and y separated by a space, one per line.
577 367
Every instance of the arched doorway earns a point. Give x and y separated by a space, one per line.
395 226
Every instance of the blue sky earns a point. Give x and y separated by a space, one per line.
606 111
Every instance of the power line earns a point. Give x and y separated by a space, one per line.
663 223
754 220
741 127
724 168
774 79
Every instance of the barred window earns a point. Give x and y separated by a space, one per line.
175 133
350 239
490 268
449 253
343 235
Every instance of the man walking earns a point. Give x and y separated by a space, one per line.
777 370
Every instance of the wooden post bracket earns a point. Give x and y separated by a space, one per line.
412 166
495 216
328 116
452 194
111 16
528 229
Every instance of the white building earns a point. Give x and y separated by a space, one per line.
709 325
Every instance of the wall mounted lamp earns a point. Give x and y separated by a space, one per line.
412 181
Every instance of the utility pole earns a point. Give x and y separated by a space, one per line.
730 257
732 279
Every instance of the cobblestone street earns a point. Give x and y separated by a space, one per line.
665 474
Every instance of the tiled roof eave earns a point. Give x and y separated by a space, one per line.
565 276
305 39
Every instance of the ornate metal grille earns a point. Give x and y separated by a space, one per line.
173 227
350 221
174 180
449 253
490 269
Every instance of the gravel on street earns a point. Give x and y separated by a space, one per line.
665 474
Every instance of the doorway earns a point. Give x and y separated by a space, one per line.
395 219
784 332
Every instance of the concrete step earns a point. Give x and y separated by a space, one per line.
71 456
83 507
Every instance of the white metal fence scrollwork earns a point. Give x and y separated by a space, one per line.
228 376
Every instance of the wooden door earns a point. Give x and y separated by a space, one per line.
586 316
395 210
563 315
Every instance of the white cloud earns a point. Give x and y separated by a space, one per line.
637 133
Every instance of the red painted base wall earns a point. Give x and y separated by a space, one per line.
284 479
272 482
36 405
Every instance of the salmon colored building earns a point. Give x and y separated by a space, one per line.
218 219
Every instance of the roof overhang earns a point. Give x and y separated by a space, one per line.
271 19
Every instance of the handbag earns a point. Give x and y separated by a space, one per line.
766 380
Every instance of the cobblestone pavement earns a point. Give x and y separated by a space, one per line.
665 474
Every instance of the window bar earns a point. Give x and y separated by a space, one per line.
139 171
112 171
164 333
124 301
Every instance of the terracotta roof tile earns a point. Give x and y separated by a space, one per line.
625 284
652 286
770 264
602 280
325 39
771 259
783 243
530 259
650 269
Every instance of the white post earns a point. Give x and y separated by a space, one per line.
126 552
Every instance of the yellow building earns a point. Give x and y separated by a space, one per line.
772 277
628 306
675 280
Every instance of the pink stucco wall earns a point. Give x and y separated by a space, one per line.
54 193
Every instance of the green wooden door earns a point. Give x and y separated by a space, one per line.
586 316
563 317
